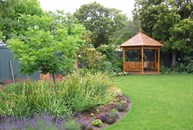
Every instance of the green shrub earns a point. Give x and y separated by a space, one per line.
111 56
164 69
184 65
189 67
97 123
188 64
90 58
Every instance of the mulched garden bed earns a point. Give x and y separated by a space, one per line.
93 119
104 116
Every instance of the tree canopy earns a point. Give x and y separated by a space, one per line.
40 40
10 11
131 28
168 21
101 21
49 43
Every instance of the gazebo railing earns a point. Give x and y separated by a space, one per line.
137 66
132 66
152 65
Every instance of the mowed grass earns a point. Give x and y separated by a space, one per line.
159 102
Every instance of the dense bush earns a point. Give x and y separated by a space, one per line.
164 69
185 66
111 56
75 93
90 59
101 59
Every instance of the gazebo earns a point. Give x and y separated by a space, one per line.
139 44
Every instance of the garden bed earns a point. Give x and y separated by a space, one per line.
68 104
120 106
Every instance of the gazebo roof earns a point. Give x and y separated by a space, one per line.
141 39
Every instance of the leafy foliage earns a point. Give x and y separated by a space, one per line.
101 21
185 66
104 58
112 56
97 123
121 35
10 11
90 59
182 36
49 43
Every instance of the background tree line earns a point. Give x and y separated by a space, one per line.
168 21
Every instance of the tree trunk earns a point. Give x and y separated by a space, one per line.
54 80
173 59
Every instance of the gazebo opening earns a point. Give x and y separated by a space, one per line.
141 54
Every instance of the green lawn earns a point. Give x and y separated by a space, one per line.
159 102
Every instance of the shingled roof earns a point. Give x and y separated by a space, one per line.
141 39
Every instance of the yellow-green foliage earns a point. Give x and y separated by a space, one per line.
73 94
84 92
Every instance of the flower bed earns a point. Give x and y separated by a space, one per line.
73 94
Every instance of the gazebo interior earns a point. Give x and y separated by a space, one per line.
141 55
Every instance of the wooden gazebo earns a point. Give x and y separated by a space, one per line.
140 43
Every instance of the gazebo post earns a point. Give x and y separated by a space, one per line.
155 59
155 55
123 50
142 55
158 68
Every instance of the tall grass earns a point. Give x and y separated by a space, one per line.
84 92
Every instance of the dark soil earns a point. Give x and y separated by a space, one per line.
121 105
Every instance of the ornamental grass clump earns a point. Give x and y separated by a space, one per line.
34 97
86 91
75 93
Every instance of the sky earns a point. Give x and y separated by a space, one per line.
71 5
